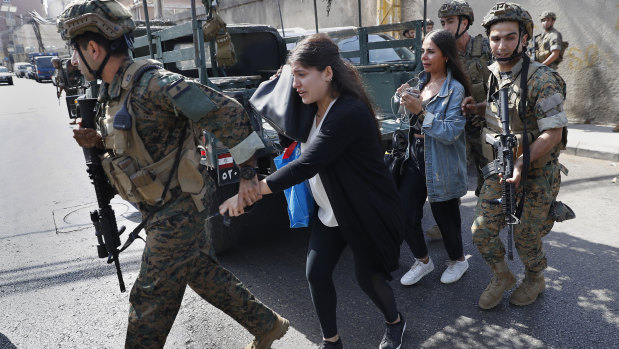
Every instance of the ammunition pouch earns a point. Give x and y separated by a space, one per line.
147 184
132 170
226 57
211 27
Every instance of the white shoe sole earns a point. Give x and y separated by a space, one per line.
458 278
402 337
414 281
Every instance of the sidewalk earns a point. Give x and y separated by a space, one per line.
593 141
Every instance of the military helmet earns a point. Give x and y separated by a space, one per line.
456 8
429 21
548 14
55 60
509 11
106 17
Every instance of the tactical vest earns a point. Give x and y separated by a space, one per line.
132 170
542 49
493 121
473 65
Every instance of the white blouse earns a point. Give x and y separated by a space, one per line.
325 211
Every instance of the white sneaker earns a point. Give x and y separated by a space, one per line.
454 271
418 270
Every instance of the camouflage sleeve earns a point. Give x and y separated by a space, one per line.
222 116
231 125
546 95
555 41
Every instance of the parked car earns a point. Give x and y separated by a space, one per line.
21 69
6 76
30 72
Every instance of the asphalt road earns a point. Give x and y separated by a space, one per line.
55 292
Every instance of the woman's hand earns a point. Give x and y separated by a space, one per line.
232 207
402 88
411 103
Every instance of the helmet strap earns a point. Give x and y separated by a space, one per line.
96 73
458 34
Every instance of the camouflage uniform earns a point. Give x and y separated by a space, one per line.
475 60
547 42
543 178
178 250
74 81
544 111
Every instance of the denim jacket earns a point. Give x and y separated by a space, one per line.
445 145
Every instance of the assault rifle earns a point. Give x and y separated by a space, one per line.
504 165
103 219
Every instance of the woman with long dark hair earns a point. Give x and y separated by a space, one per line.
358 204
442 87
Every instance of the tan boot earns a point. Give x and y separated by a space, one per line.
502 281
532 285
278 331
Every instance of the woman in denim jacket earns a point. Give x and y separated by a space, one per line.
436 104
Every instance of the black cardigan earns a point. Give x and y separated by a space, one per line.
348 156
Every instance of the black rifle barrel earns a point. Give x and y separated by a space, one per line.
508 190
103 219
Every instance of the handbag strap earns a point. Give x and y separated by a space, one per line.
289 150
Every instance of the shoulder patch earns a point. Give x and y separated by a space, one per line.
190 99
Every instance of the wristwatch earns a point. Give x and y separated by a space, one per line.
248 172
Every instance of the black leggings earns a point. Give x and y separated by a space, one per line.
325 248
413 193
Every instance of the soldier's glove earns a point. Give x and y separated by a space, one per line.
561 212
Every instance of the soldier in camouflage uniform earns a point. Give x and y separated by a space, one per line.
457 16
548 44
144 119
58 78
509 27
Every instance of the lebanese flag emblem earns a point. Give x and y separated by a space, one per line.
225 160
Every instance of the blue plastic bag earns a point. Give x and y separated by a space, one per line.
299 197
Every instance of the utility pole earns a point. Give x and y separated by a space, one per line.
159 9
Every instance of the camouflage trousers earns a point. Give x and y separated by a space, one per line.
474 152
542 189
178 253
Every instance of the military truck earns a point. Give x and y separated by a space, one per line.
260 50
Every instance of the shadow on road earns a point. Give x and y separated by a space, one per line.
577 309
5 343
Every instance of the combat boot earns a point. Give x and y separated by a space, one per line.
502 280
278 330
532 285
